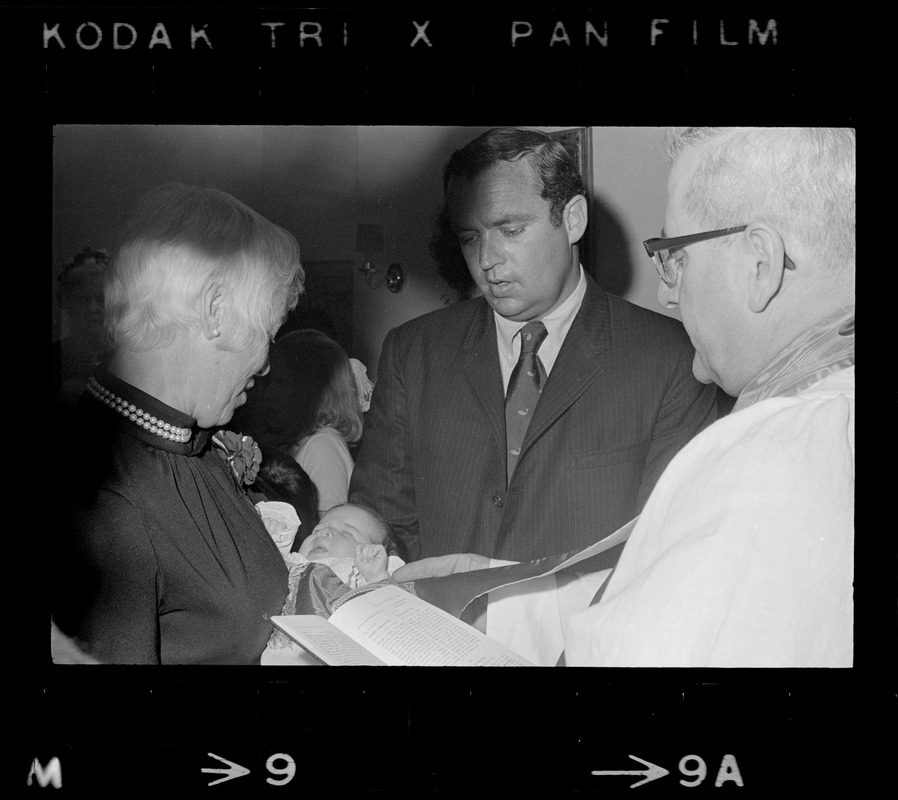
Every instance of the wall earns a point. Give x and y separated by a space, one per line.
629 196
304 179
629 193
320 182
317 182
401 188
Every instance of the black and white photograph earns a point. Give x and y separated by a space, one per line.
446 339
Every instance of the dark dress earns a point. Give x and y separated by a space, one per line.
161 558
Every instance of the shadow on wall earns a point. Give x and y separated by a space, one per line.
610 261
318 182
401 188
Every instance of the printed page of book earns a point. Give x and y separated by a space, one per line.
403 630
324 641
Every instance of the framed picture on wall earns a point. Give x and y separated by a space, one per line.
578 143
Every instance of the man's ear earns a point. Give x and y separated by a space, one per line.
765 253
576 215
212 312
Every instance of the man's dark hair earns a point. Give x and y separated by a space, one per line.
560 178
557 172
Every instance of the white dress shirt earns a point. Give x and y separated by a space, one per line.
557 322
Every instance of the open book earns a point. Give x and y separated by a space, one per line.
389 626
385 625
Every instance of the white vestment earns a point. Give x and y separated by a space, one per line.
742 556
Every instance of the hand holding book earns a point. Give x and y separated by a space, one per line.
422 626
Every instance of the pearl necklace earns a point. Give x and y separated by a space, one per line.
130 411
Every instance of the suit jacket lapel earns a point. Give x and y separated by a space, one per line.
481 366
581 360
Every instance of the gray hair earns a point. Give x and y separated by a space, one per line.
800 180
181 238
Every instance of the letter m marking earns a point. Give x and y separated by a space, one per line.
53 773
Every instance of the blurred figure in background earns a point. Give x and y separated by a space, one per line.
311 405
83 344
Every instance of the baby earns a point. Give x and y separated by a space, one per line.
351 539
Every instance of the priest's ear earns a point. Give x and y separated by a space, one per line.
765 258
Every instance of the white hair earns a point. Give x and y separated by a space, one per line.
181 239
800 180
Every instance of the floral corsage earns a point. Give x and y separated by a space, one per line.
241 454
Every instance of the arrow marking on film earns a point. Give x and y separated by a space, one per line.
652 773
233 770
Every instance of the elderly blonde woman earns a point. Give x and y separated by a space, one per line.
163 557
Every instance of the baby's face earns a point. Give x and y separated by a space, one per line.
340 531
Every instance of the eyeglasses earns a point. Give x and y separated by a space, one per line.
669 261
663 252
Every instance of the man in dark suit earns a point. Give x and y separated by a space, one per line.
614 384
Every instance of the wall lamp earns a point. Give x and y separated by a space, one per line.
370 239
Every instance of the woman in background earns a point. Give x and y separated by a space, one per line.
311 405
83 345
162 556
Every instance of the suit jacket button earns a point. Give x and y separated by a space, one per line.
497 501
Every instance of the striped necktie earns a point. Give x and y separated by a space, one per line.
524 386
